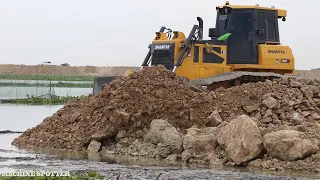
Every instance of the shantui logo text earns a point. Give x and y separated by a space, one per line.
162 47
276 51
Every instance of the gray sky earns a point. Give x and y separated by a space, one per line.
101 32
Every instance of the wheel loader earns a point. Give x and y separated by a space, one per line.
243 47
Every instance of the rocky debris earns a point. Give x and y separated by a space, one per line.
315 116
99 136
94 146
163 132
288 145
147 149
251 108
153 113
172 158
214 119
295 84
199 143
241 140
163 150
270 102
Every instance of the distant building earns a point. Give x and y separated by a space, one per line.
65 64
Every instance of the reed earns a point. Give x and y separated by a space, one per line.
55 100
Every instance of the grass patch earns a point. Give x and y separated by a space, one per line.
60 84
55 100
46 77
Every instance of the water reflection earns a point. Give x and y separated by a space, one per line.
22 117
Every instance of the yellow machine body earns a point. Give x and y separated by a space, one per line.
238 44
272 58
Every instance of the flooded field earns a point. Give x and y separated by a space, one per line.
12 92
43 81
22 117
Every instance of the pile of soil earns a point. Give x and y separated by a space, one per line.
128 103
121 115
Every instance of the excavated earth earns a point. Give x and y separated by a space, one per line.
271 125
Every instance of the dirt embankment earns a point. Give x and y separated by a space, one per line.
64 70
95 70
270 125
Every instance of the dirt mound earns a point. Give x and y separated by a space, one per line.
127 104
119 119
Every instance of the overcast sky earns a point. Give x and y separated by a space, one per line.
116 33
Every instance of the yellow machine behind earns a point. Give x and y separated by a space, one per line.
243 47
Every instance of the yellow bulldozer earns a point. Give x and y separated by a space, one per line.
243 47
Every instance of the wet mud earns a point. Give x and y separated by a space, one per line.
129 167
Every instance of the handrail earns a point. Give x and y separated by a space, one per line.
272 42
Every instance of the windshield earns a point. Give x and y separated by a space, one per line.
222 23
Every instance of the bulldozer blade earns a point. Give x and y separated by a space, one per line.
127 73
99 82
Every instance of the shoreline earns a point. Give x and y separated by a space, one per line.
126 159
68 85
55 100
46 77
144 161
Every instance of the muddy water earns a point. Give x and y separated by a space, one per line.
21 117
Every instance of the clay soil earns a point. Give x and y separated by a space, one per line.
125 108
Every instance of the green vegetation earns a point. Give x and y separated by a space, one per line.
55 100
42 176
60 84
46 77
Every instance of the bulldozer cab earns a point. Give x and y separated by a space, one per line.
248 26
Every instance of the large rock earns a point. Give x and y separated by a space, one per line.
241 140
214 119
200 142
295 84
270 102
288 145
147 149
99 136
251 108
163 132
94 146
